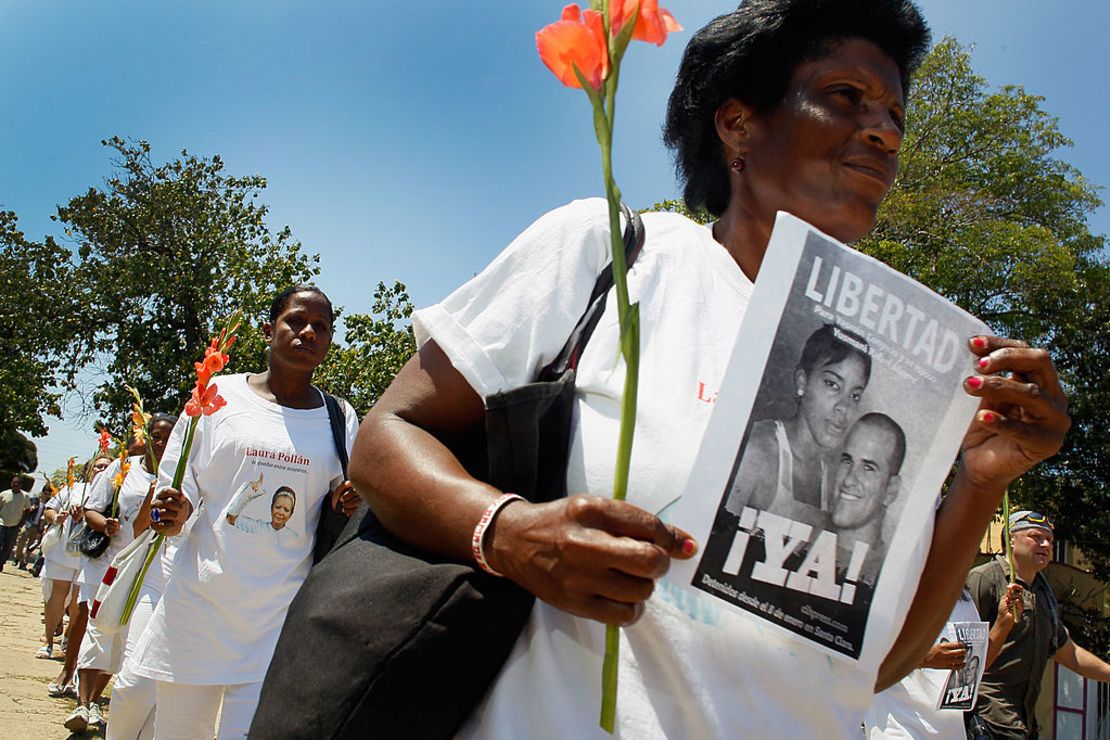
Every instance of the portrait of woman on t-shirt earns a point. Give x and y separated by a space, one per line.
282 505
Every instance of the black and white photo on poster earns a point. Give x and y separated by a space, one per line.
840 416
962 685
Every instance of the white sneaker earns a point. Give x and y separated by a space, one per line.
78 721
96 718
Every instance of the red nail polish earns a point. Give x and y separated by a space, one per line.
975 381
688 546
989 417
984 362
979 342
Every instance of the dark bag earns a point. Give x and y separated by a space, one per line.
93 544
332 520
384 640
88 541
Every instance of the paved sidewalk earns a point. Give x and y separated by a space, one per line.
26 712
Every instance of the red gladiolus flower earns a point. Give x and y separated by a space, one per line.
576 40
105 439
205 401
215 360
652 24
203 373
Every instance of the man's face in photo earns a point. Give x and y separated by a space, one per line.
865 480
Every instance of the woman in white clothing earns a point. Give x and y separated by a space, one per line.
793 105
210 639
63 569
132 713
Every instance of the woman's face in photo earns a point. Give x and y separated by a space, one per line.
280 511
830 398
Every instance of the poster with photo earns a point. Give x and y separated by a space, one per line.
962 685
840 415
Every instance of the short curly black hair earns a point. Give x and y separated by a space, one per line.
281 300
751 54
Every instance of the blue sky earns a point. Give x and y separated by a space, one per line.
409 141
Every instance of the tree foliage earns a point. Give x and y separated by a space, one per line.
167 252
987 213
36 323
378 345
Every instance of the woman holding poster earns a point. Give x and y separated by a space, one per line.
781 105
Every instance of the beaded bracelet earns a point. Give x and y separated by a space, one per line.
476 541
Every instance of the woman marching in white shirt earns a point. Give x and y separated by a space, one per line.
211 637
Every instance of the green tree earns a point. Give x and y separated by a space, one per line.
167 252
378 345
36 323
987 213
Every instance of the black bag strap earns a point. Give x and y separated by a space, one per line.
571 353
338 420
332 521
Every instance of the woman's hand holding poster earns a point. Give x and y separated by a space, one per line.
840 415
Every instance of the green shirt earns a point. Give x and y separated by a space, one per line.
12 506
1008 693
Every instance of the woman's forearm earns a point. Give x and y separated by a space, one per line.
415 485
95 520
961 521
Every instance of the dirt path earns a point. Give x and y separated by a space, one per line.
26 712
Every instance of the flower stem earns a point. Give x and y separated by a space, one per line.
1009 546
137 584
178 476
628 317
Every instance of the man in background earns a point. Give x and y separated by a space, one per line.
1011 684
32 527
13 503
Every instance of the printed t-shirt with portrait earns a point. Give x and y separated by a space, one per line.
62 501
256 477
688 667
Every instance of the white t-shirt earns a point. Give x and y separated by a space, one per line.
223 608
131 498
61 501
688 668
908 708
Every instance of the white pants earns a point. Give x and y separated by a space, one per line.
133 695
188 711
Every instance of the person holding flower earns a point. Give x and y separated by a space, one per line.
63 570
100 655
794 105
211 637
133 696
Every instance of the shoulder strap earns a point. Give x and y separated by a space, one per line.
576 343
338 420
